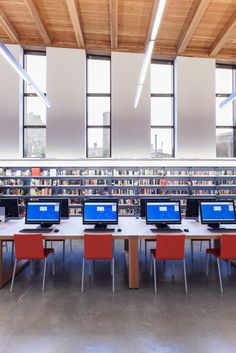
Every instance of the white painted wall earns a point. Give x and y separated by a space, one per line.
130 126
11 89
66 89
195 108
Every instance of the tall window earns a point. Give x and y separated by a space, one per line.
98 107
226 116
162 102
34 109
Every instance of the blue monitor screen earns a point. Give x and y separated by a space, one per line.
39 212
217 212
163 212
98 212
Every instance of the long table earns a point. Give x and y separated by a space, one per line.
132 230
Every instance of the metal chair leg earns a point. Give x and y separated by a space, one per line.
82 279
113 274
185 277
44 273
13 276
229 268
191 248
53 264
219 272
154 274
172 268
32 268
90 268
140 245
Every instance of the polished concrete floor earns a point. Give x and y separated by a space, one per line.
136 321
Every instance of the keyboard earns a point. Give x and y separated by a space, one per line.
222 230
35 230
170 230
93 230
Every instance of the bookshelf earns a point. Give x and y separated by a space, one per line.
126 180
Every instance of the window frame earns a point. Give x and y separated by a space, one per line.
102 95
225 95
25 95
167 95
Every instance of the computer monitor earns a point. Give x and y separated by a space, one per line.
214 213
163 213
100 213
192 206
143 202
11 207
64 205
43 213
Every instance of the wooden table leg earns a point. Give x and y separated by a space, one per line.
133 257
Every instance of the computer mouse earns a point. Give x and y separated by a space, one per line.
119 230
56 230
186 230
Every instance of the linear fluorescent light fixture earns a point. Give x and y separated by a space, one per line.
143 72
149 48
157 18
21 71
231 98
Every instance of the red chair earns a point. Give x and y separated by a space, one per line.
30 247
227 251
169 247
98 247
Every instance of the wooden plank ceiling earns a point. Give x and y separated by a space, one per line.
205 28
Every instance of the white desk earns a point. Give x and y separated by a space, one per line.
132 230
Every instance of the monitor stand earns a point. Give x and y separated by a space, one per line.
165 228
162 226
213 225
45 226
99 228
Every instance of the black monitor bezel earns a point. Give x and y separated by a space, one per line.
143 201
40 221
104 200
167 221
64 205
10 200
197 200
217 221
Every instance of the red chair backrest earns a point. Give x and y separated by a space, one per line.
29 246
98 246
170 246
228 246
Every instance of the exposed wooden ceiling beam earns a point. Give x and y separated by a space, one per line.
8 28
34 11
223 36
191 25
75 19
114 23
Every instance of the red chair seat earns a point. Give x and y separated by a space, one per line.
214 251
48 251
